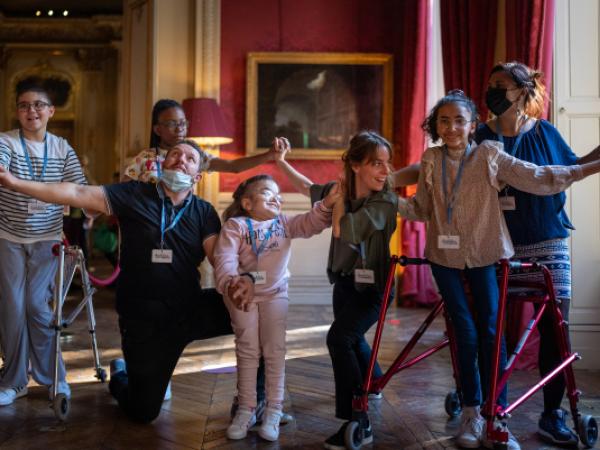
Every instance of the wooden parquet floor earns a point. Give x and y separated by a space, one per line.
410 416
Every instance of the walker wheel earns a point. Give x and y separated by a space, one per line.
453 404
353 435
587 430
61 407
101 374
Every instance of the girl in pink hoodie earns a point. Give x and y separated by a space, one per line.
251 259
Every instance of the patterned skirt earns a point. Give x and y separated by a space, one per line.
554 254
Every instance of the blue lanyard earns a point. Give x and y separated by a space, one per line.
452 198
158 169
163 219
500 138
28 159
361 250
258 250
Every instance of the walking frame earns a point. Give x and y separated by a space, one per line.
71 260
497 416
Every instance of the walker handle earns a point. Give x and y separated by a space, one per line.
522 265
405 261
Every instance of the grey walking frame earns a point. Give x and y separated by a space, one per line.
71 260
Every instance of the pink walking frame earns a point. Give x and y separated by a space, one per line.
496 416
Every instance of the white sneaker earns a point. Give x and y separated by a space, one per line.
269 430
244 418
9 395
512 443
471 428
168 393
63 388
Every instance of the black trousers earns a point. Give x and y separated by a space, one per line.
153 338
354 313
549 356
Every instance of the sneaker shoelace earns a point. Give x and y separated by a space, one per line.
242 418
272 418
473 425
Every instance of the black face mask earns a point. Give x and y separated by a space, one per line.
496 101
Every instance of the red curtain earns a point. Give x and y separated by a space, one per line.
530 36
468 44
410 34
529 39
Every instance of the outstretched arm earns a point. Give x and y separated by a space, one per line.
240 164
76 195
406 176
590 157
299 181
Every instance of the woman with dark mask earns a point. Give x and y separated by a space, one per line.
538 225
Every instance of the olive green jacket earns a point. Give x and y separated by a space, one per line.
371 220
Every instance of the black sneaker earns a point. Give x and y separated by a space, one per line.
553 429
337 441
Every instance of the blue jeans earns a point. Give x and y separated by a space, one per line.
475 337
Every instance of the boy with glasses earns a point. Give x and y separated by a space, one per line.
28 230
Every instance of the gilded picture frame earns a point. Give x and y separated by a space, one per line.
317 100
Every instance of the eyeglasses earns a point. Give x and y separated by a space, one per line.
174 124
458 123
38 105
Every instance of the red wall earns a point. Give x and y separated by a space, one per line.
290 25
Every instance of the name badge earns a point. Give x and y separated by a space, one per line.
365 276
36 207
162 256
507 203
260 277
447 241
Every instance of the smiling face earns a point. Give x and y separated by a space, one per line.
454 125
262 200
33 112
171 127
372 173
184 158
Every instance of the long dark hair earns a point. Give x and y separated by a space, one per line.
531 80
159 107
453 96
363 145
235 209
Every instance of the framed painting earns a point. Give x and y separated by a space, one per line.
317 100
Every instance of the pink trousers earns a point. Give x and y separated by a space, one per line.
260 331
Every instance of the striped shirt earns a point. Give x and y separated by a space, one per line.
17 224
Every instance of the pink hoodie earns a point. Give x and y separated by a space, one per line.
234 254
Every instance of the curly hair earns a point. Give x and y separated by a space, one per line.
236 209
453 96
531 80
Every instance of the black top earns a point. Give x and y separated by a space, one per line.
138 208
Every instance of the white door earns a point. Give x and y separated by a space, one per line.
576 109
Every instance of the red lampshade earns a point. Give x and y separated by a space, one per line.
207 125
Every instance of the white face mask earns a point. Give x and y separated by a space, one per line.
176 181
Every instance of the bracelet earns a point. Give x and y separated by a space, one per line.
249 275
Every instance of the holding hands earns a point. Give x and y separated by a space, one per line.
279 148
241 291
